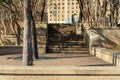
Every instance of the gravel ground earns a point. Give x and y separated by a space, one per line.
55 59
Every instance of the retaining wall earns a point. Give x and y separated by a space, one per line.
102 43
59 73
18 49
106 37
107 55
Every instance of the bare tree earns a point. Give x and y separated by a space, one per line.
27 46
9 9
95 12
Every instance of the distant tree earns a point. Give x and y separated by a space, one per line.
9 18
95 12
43 9
14 9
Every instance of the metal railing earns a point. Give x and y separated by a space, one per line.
85 35
115 57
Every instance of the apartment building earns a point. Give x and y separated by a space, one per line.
61 11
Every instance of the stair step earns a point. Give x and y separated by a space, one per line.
75 44
72 39
65 41
83 52
59 73
67 45
74 49
54 46
62 38
68 49
54 50
81 41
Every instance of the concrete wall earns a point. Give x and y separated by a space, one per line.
4 50
10 50
107 55
41 36
59 73
8 42
105 44
106 37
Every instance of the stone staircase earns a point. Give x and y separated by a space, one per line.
63 39
59 73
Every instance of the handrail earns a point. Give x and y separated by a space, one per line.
115 56
85 35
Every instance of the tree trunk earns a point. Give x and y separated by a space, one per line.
27 40
34 39
18 33
42 13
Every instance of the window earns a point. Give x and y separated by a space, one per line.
76 7
62 7
51 12
76 3
54 4
72 11
72 3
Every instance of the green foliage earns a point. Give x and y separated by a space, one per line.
1 1
0 43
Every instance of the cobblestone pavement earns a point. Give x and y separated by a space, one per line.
56 59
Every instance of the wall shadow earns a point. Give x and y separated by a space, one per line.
59 35
104 40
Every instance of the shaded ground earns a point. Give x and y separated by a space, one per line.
59 59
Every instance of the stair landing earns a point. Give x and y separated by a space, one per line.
63 59
59 67
56 59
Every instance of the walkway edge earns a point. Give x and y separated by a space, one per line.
59 70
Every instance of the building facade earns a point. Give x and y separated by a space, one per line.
61 11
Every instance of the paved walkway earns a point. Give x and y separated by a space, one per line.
58 59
